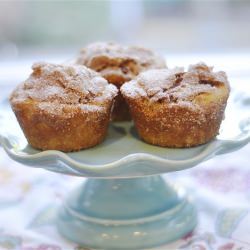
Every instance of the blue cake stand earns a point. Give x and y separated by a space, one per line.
125 203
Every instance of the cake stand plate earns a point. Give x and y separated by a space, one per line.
125 203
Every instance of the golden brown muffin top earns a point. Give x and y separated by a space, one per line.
64 85
175 85
113 58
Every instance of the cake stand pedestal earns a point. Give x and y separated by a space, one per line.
133 213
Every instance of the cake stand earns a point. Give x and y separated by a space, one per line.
125 203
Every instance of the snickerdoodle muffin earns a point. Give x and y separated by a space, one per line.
177 108
63 107
119 64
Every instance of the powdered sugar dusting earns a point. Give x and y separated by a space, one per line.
110 58
175 85
64 84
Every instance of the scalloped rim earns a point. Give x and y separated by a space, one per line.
125 167
213 148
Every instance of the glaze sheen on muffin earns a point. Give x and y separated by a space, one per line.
174 108
63 107
119 64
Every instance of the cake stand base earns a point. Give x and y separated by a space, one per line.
134 213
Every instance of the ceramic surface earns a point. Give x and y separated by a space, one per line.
134 213
123 154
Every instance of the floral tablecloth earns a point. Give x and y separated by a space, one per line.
220 187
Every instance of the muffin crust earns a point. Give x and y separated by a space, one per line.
63 107
174 108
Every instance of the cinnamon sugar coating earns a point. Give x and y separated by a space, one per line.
63 107
175 108
119 64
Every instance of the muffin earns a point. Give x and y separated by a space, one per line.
174 108
119 64
63 107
